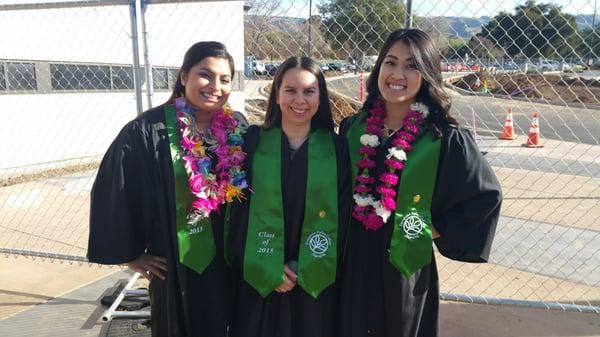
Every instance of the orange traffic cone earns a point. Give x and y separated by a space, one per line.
534 138
508 132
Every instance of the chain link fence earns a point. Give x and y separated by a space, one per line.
67 86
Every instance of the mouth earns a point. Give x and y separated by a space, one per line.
210 97
298 111
396 87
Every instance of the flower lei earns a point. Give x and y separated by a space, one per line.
210 186
374 213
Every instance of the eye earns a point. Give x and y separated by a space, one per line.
226 80
309 91
389 62
411 66
204 74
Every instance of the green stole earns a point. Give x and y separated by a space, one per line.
264 250
411 242
196 242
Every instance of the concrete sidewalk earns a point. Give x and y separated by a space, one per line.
77 312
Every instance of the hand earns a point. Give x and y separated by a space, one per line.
434 233
149 265
289 281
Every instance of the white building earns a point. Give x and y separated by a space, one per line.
66 71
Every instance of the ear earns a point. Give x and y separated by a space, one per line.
182 78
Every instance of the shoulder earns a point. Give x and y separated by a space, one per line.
242 120
149 118
456 134
251 137
253 130
347 122
139 130
339 140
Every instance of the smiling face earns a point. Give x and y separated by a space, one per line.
298 97
399 81
208 84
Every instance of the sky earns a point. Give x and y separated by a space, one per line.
478 8
467 8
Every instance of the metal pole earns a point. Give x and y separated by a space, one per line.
136 56
112 312
147 65
309 28
593 34
520 303
409 14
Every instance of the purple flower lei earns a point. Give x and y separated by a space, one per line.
211 185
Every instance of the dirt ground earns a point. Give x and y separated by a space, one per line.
547 87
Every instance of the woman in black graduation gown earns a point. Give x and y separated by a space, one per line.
289 234
143 212
418 177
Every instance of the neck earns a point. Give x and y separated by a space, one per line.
296 134
395 113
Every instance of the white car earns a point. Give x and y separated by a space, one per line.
259 68
546 65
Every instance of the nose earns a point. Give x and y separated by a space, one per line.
399 73
215 84
300 98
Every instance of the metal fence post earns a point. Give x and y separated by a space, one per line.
147 64
408 19
133 4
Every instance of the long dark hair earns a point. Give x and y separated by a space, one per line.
198 52
323 118
427 61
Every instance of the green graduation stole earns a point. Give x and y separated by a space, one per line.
410 245
196 242
264 250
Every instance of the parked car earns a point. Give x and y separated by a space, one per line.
510 65
340 67
271 69
454 66
546 65
572 68
493 65
258 68
368 62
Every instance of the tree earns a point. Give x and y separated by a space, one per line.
589 44
534 30
360 25
480 47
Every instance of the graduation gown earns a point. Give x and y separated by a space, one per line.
295 313
133 211
377 300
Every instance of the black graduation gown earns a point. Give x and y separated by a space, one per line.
133 211
295 313
377 300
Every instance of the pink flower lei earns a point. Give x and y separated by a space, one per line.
211 185
371 212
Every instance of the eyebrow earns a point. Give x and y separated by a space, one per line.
409 59
292 87
212 73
